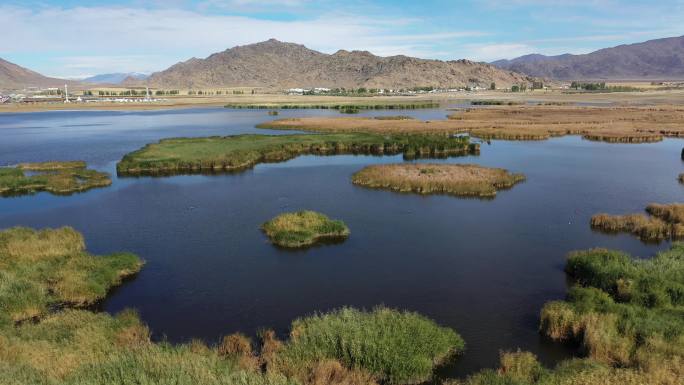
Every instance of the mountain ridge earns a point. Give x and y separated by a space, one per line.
275 64
657 59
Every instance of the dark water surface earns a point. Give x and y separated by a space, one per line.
484 268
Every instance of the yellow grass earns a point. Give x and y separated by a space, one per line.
452 179
610 124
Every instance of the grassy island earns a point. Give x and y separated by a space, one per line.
663 222
61 178
230 153
451 179
609 124
46 275
628 316
304 228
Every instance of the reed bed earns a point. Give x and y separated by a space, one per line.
337 106
233 153
610 124
626 313
59 178
663 222
451 179
304 228
40 270
395 347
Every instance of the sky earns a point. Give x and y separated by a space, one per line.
76 39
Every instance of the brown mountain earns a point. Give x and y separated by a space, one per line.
653 59
275 64
15 77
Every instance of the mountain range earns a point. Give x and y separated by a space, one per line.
115 78
275 64
661 59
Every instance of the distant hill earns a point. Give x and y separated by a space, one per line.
654 59
115 78
15 77
275 64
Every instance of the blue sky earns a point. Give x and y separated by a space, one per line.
79 38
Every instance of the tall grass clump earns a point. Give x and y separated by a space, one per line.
452 179
663 222
396 347
41 270
304 228
624 312
60 178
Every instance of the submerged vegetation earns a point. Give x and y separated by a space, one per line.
187 155
304 228
61 178
45 275
628 316
663 222
452 179
609 124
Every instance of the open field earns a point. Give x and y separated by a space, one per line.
60 178
230 153
610 124
451 179
303 228
650 97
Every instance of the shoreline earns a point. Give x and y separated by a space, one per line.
655 97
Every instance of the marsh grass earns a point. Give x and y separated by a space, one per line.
663 222
609 124
396 347
41 270
303 228
451 179
626 313
232 153
60 178
394 117
342 107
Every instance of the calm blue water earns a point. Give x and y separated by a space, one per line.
484 268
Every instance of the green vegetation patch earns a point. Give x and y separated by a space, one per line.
212 154
626 313
304 228
663 222
60 178
397 347
41 270
452 179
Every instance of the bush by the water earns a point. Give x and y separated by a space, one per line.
54 177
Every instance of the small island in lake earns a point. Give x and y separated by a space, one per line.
451 179
304 228
61 178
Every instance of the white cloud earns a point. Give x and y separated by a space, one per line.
117 39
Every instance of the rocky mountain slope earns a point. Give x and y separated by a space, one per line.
15 77
275 64
654 59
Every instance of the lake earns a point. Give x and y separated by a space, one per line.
483 267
